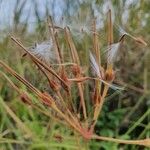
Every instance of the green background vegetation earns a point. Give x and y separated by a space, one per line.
125 114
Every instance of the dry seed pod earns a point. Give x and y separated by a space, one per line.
47 99
109 75
137 39
97 69
112 52
99 73
76 70
25 99
54 85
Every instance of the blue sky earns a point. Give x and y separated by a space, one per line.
7 8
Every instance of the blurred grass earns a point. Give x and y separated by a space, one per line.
125 114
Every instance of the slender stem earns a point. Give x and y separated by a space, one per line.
110 28
38 61
82 100
75 58
11 83
146 114
72 124
6 140
110 36
16 119
68 111
99 107
25 82
144 142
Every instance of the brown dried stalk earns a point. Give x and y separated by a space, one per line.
38 61
59 80
77 70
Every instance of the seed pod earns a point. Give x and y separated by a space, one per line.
25 98
109 75
47 99
76 70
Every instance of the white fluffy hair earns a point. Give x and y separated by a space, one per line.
98 71
44 51
112 52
